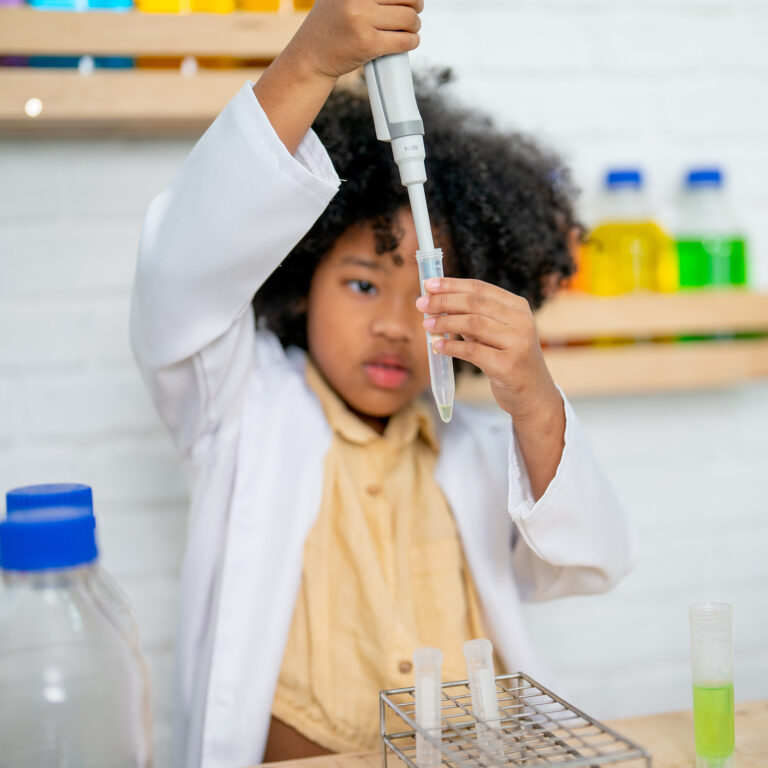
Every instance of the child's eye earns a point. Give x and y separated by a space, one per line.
362 286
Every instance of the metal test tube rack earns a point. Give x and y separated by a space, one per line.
538 728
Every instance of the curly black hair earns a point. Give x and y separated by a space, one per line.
502 207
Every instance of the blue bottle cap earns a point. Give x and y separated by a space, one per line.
704 177
624 177
42 539
32 497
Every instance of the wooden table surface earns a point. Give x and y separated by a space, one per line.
668 736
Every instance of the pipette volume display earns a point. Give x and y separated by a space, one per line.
440 366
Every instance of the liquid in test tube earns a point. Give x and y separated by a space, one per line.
440 366
427 667
485 706
712 669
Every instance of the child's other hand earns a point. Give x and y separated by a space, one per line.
496 332
339 36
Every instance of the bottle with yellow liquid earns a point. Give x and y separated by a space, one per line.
159 6
259 6
628 250
212 6
712 669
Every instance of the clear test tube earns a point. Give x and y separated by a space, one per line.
428 671
440 366
485 706
712 671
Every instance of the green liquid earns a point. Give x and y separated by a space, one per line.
712 261
713 720
446 412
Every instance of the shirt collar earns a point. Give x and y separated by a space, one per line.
415 421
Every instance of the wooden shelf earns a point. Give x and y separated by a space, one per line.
242 34
647 366
643 368
116 101
131 101
577 317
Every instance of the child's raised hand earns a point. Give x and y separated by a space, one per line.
336 37
496 332
339 36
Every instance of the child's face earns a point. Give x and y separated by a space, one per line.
364 331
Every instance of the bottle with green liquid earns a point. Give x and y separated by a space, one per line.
712 668
711 249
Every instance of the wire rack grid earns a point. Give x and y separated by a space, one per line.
535 728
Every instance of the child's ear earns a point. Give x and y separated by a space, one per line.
298 306
551 284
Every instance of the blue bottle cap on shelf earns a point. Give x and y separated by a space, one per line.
624 177
704 177
48 538
32 497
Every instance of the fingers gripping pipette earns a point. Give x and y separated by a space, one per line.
397 120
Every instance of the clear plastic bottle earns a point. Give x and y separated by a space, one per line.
628 249
76 496
72 682
711 249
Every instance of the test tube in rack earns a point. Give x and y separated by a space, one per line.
427 667
485 706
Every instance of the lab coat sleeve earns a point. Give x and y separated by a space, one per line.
236 208
576 538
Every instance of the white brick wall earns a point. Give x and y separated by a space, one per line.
603 81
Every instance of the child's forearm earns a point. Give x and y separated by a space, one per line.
541 439
291 93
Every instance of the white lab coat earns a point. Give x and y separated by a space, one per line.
254 437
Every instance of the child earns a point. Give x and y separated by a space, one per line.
335 524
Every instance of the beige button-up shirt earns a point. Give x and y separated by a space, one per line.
384 573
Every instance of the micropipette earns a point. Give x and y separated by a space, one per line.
427 670
482 690
397 120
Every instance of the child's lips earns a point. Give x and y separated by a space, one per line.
387 371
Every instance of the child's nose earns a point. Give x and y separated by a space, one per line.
396 320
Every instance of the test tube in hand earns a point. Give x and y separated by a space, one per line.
440 366
427 667
485 706
712 668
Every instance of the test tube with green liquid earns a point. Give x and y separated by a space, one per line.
712 669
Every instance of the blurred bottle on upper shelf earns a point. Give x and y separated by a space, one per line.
212 6
59 5
711 248
258 5
80 5
627 250
161 6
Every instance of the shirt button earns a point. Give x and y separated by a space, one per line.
373 490
405 667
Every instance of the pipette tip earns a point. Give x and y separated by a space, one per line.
446 412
